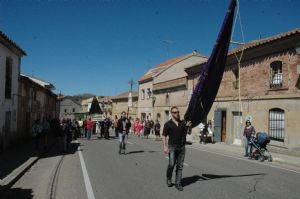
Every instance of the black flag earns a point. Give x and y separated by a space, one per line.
209 81
95 108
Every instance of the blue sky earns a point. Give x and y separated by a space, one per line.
97 46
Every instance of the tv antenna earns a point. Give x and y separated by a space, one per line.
168 43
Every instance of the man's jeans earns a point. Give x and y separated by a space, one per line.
176 156
122 140
89 134
248 147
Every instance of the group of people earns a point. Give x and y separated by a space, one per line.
40 131
146 127
249 132
176 130
140 127
174 140
174 135
206 131
65 131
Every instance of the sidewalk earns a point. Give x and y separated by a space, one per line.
15 162
238 151
279 159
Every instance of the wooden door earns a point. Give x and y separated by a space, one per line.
223 131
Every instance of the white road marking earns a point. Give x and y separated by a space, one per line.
256 162
185 164
86 178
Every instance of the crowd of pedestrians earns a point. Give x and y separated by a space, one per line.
174 135
141 127
66 130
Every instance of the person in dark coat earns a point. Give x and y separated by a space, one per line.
123 129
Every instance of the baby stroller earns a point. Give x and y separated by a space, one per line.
260 144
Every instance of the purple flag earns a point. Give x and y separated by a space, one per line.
209 81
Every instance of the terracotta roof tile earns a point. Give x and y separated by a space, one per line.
160 67
259 42
125 95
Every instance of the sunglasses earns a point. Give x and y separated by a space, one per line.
175 112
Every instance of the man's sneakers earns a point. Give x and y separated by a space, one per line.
179 187
122 152
169 183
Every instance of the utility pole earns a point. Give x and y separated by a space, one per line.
131 83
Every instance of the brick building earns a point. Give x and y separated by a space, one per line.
269 89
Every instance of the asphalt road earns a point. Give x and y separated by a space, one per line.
141 174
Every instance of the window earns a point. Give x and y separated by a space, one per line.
276 124
143 94
167 99
73 110
276 77
65 110
149 93
236 80
8 78
33 93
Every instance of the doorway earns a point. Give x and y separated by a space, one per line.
220 125
167 116
237 128
223 128
143 116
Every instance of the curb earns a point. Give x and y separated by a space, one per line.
16 174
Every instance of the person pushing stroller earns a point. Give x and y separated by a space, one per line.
249 131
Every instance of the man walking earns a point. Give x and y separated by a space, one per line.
176 131
123 129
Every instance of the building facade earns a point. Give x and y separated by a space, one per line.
121 103
69 109
164 86
265 89
170 86
10 63
36 101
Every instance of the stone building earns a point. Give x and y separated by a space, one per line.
120 104
36 101
269 86
69 109
170 86
10 64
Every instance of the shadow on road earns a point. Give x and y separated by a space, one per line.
133 152
193 179
17 193
56 150
152 151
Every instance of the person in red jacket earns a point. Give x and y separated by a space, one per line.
89 127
